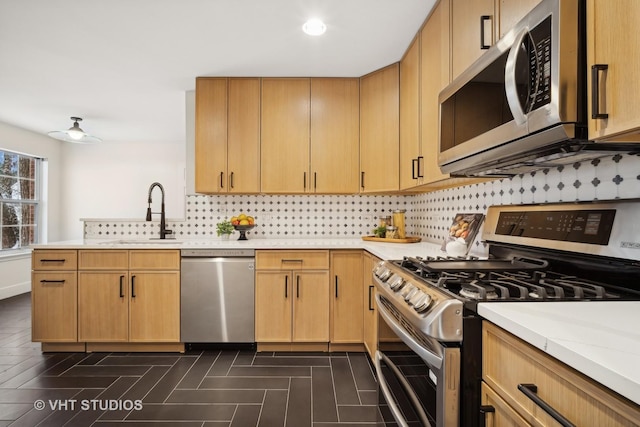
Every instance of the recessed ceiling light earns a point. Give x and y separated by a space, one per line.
314 27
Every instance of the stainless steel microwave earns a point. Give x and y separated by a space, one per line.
522 105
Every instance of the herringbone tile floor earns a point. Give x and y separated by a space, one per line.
198 388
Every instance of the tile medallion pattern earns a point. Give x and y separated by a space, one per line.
428 214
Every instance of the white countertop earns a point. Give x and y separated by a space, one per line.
601 339
380 249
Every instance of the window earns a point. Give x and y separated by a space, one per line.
19 200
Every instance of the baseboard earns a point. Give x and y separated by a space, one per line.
13 290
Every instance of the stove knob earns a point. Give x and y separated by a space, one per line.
407 289
416 298
383 274
424 304
411 294
395 283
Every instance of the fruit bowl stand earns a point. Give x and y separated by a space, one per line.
243 230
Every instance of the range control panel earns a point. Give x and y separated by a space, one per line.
580 226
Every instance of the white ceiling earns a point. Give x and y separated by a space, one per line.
125 65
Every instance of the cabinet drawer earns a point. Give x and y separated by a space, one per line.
101 259
509 361
154 259
292 260
54 260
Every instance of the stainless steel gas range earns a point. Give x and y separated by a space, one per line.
429 356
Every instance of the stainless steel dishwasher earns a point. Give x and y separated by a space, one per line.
217 296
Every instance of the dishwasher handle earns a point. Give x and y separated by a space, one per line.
217 253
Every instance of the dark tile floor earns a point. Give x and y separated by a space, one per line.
198 388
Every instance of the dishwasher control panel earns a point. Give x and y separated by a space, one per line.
209 253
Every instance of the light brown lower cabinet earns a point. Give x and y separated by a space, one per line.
292 299
54 299
129 296
509 362
370 314
346 297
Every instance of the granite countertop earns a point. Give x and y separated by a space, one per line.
598 338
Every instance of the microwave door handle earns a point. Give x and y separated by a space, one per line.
433 360
511 86
415 402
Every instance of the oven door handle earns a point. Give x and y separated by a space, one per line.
433 360
380 356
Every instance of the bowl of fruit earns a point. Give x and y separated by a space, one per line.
243 223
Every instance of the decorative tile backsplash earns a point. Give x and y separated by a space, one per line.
428 215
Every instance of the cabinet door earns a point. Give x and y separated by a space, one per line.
285 136
410 116
243 136
613 40
54 306
511 12
273 306
154 306
473 24
379 130
210 134
370 317
311 306
435 76
335 144
346 297
103 306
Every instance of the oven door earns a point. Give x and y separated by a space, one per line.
418 378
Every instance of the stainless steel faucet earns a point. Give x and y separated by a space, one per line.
163 225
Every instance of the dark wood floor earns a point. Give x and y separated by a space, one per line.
198 388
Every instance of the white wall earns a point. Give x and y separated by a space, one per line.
111 180
15 271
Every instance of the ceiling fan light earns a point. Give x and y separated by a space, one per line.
74 134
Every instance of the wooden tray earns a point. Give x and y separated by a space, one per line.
407 239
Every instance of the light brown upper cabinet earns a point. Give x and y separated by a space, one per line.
613 40
379 130
410 116
335 118
310 135
472 32
227 137
434 65
477 24
511 12
285 135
